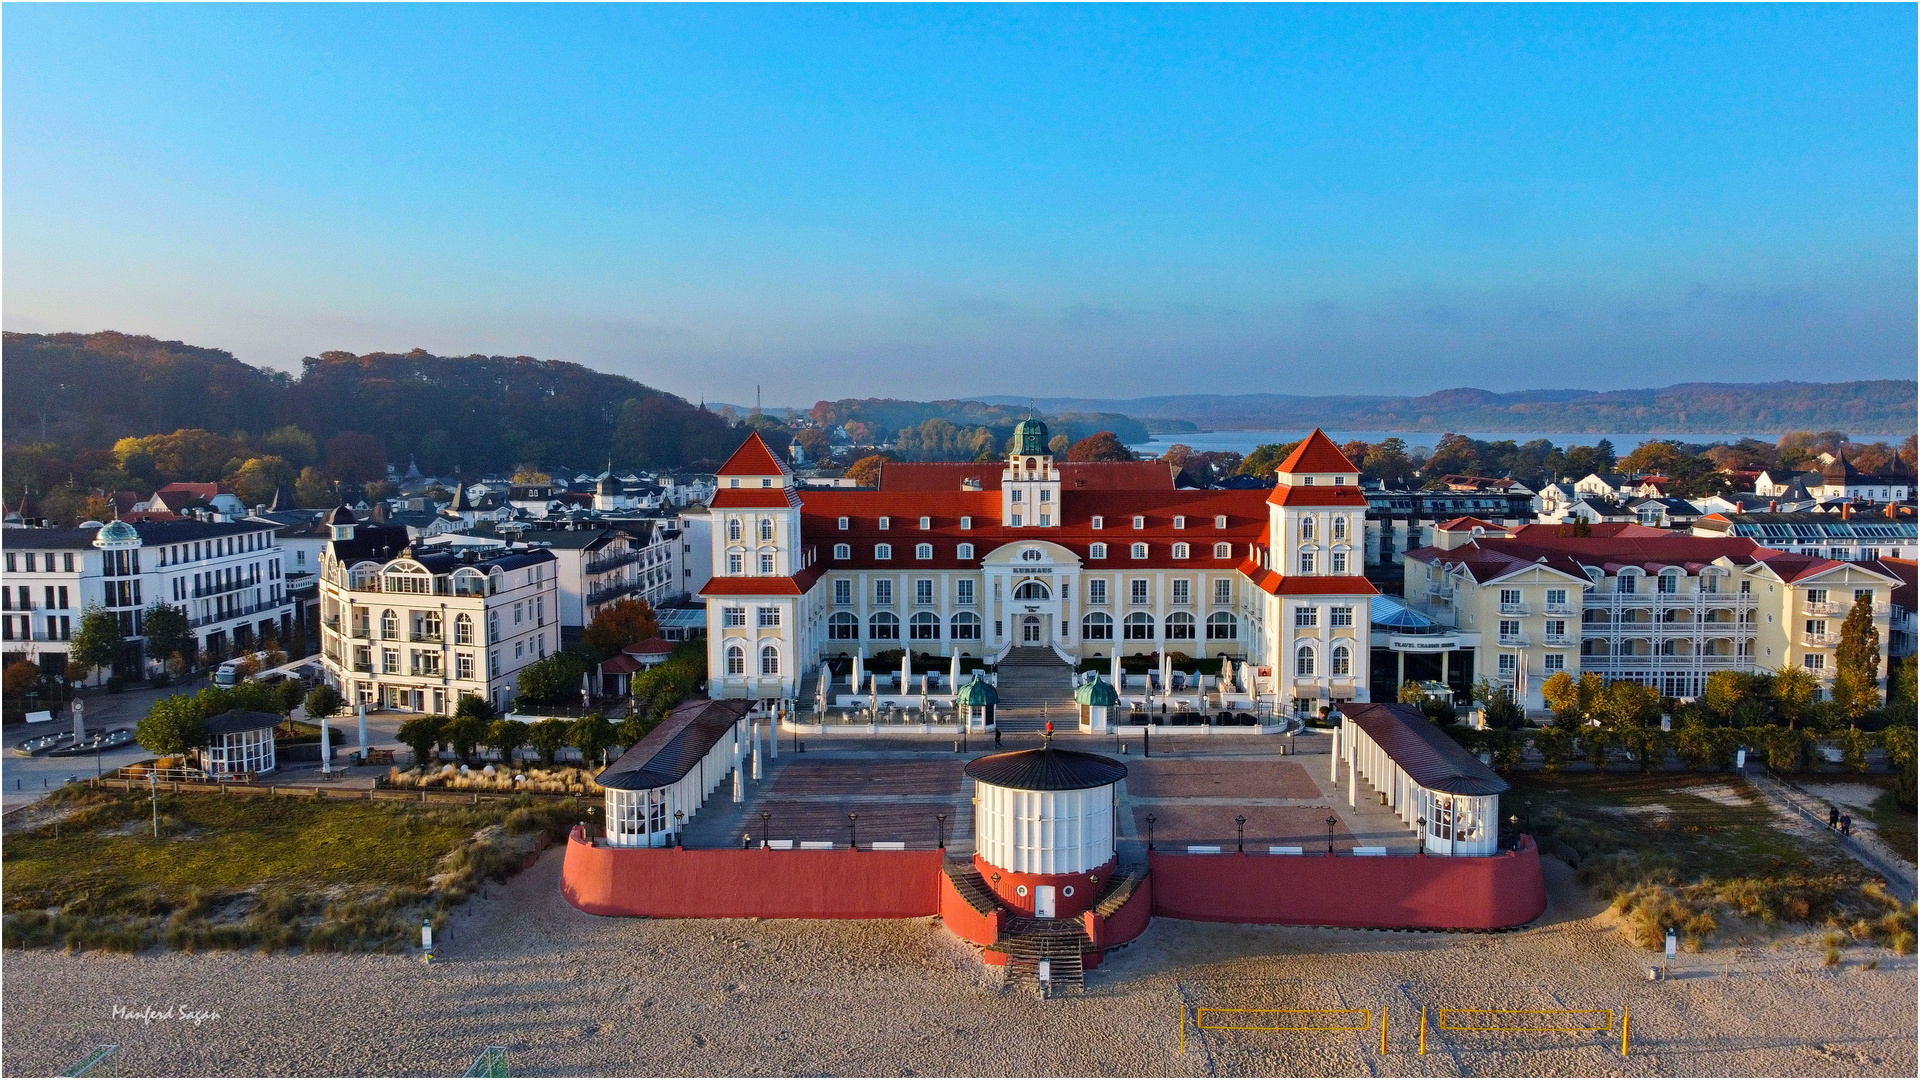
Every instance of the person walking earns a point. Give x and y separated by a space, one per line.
1846 824
1833 817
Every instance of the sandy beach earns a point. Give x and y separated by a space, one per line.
567 993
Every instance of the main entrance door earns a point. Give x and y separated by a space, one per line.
1030 630
1043 902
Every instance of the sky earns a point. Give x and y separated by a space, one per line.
933 202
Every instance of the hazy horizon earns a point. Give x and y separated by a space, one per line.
897 201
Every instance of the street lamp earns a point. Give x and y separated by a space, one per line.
1240 831
942 827
1421 825
1150 821
1514 820
765 817
679 837
1331 822
853 829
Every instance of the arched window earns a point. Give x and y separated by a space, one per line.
463 629
1303 662
1223 551
1306 528
1032 555
1096 551
733 529
1222 626
884 626
966 627
1032 590
925 626
769 659
1180 551
923 551
1342 660
1339 526
389 625
1180 626
766 529
1097 627
1139 551
843 551
1032 464
1139 627
843 626
1593 647
736 660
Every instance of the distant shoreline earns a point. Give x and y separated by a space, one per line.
1243 440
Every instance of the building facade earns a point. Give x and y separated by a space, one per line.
1080 558
1637 604
227 576
1842 535
414 630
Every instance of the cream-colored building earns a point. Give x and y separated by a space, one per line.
1637 604
414 631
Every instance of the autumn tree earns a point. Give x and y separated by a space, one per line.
356 458
98 641
1856 682
866 471
1099 446
620 624
258 478
311 489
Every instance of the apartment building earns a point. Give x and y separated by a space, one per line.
1631 603
228 576
414 630
1834 535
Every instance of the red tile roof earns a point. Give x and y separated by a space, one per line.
754 459
1317 454
619 664
653 646
754 498
1904 594
1466 524
902 476
1317 495
1279 584
760 586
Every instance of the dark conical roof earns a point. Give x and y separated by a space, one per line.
1048 768
342 515
283 499
460 503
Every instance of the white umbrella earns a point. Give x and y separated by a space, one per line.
906 670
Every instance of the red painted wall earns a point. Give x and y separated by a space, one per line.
1393 891
960 917
728 883
1127 923
1085 889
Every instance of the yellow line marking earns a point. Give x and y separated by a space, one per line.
1365 1024
1445 1022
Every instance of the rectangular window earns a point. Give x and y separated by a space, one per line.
1556 597
1306 616
1096 591
1816 596
1179 521
842 592
963 592
886 523
1306 562
1099 522
1554 662
883 591
1816 661
1015 522
965 551
1182 591
1046 495
463 666
766 565
926 522
1139 522
1509 628
1508 665
1509 596
1219 521
843 524
66 562
923 590
966 522
733 616
769 617
1223 591
1340 616
1137 590
1017 495
923 551
1339 562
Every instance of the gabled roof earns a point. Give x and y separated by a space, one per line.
1426 754
1278 584
1317 454
1903 594
754 458
669 752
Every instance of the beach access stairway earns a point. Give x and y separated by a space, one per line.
1063 943
1031 678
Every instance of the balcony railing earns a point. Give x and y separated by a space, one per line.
1820 641
430 639
602 565
1518 641
1516 609
1558 640
1561 609
219 590
250 609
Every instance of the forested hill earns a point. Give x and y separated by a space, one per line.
478 413
1876 407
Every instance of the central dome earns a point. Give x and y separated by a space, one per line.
1030 437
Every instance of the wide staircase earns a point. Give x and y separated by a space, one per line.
1063 943
1035 686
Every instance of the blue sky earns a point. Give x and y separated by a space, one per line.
934 202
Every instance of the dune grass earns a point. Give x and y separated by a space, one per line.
1689 851
234 872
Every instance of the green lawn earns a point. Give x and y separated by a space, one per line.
100 877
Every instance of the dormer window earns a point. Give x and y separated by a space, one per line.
1096 551
886 523
1219 521
1139 522
926 523
1179 521
923 551
843 551
733 482
966 522
766 481
1139 551
1099 522
1339 481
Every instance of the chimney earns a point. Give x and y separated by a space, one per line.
1773 506
1846 511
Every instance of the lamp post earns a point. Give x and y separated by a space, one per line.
1240 833
1150 821
853 832
1331 822
765 817
1514 820
942 827
593 814
679 821
1528 803
1420 824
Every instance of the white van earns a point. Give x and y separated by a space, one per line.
228 674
